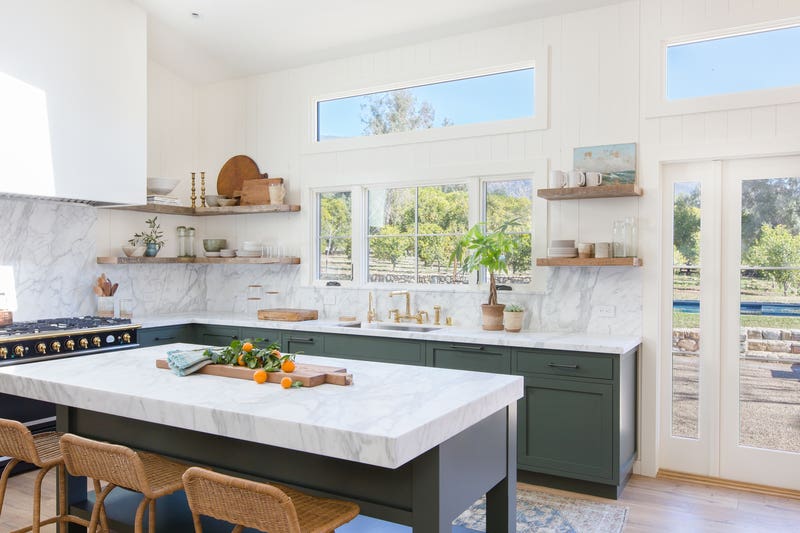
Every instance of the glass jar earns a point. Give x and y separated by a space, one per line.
618 238
181 241
189 246
631 237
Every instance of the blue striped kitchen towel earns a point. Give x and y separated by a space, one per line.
184 362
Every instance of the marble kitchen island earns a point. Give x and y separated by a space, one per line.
411 445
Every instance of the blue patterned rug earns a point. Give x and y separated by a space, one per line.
544 512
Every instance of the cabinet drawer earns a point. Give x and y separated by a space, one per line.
563 364
268 335
476 357
302 342
163 335
375 349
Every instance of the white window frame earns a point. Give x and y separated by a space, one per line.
539 121
658 105
537 172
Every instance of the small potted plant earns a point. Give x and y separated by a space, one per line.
512 318
478 249
153 239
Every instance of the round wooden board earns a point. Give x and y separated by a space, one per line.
234 172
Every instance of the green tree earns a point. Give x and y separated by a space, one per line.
389 248
774 202
397 111
677 257
335 222
777 247
686 226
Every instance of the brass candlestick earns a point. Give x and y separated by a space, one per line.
194 196
202 189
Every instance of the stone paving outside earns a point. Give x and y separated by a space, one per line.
769 407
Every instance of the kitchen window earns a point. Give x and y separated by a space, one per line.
506 200
479 102
334 236
412 232
751 61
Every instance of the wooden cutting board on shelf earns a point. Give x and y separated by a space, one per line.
256 191
235 172
288 315
308 375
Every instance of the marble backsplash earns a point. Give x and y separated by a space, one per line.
51 247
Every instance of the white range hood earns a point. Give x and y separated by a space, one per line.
73 100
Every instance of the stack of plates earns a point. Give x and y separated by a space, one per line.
212 254
245 253
227 252
562 248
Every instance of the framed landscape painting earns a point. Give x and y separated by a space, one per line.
617 162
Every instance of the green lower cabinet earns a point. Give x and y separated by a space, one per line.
383 350
567 429
216 335
302 342
477 357
576 424
165 335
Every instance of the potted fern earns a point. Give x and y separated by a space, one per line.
479 248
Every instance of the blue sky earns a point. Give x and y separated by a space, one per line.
734 64
467 101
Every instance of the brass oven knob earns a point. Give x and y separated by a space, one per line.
41 348
19 350
56 346
3 352
70 344
96 341
126 337
84 343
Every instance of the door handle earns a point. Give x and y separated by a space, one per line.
307 340
556 365
467 347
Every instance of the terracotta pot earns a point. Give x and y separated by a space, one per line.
493 316
513 320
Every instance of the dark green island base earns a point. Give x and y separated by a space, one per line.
576 424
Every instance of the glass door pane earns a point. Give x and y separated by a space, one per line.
769 315
686 309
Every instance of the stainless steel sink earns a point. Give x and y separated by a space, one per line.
402 327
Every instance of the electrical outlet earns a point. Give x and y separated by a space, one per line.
606 311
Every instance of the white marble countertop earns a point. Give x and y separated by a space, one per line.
391 414
581 342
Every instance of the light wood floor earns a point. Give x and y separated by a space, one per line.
654 505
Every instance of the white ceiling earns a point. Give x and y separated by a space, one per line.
234 38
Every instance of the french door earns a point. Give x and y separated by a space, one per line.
730 404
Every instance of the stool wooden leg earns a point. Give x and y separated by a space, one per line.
140 515
198 527
4 479
151 526
97 510
37 499
103 518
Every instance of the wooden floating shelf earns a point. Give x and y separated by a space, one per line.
601 191
589 262
210 211
201 260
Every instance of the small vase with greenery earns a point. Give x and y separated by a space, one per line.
153 238
479 248
512 318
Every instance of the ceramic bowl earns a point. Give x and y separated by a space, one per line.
211 201
161 186
214 245
133 251
226 202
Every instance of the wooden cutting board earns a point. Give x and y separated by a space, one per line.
288 315
256 192
308 375
234 172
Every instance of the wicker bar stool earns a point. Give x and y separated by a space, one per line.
266 507
42 450
148 473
